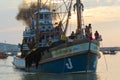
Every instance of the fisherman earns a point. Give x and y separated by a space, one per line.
86 31
90 37
49 41
72 36
96 34
34 57
90 28
63 37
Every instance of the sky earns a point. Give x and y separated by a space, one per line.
104 15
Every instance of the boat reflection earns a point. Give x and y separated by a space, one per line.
44 76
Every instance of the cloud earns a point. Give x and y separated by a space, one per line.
102 14
97 3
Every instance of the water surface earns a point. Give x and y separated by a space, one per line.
108 69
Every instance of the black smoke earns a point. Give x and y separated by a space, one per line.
26 12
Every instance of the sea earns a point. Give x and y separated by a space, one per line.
108 68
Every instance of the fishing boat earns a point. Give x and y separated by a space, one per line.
47 48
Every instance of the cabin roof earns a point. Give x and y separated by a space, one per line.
43 10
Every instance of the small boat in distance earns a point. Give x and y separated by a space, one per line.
3 55
111 52
47 48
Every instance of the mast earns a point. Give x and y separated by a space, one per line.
68 16
79 22
37 24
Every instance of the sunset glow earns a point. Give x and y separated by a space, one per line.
104 15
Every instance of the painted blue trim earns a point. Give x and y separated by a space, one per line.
76 63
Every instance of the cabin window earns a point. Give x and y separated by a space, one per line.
52 36
43 27
57 36
47 36
49 27
41 16
43 37
40 40
47 16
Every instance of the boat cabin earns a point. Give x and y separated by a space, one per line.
42 27
47 32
